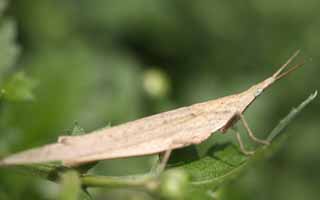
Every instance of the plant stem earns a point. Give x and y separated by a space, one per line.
113 181
145 182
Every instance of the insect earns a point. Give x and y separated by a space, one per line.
155 134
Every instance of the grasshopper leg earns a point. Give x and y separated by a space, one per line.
250 133
242 148
161 163
164 160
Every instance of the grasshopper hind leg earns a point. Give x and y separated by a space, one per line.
239 116
250 133
241 145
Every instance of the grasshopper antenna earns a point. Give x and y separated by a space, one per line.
278 75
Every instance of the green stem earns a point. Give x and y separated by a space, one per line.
293 113
53 172
139 181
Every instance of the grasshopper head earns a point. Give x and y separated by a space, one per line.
279 74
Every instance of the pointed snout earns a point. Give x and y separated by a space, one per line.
268 82
280 73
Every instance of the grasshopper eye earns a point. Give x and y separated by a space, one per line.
258 92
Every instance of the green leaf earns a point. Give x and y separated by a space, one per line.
223 162
77 130
70 186
18 88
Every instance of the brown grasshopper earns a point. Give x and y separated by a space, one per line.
157 133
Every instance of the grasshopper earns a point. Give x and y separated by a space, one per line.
155 134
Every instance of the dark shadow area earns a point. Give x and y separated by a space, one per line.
183 156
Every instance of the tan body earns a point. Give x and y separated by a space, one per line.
158 133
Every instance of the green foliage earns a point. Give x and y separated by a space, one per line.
77 130
197 179
18 88
93 62
9 49
224 162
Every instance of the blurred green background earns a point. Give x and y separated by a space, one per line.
105 61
